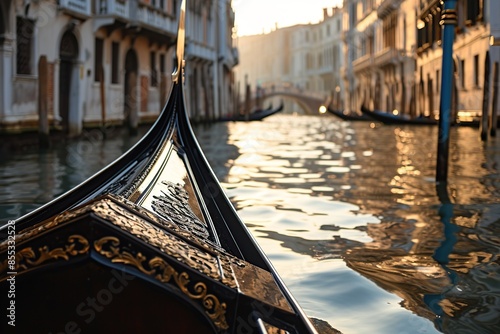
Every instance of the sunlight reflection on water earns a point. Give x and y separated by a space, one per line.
348 214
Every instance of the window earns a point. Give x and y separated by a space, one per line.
363 47
115 56
309 61
24 41
476 71
335 58
437 27
162 64
474 11
154 79
174 7
353 16
389 26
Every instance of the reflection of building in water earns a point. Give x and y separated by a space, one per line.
401 259
439 260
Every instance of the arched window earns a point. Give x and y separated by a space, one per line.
24 41
68 49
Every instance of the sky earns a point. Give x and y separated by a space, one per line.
261 16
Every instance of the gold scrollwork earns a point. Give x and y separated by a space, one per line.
158 268
27 257
170 239
46 225
195 257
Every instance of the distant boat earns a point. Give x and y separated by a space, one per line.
257 115
346 116
389 118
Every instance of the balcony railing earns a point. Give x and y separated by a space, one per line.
196 50
76 7
387 6
156 18
113 7
388 56
362 63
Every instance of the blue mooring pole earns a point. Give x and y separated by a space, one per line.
448 21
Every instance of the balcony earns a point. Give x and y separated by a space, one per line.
362 63
77 8
388 56
229 56
117 8
156 18
387 6
196 50
236 56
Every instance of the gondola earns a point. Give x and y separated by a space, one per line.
388 118
346 116
257 115
150 244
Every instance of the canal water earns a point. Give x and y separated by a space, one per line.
348 213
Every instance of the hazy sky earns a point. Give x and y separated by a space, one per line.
258 16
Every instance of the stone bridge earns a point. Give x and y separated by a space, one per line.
309 101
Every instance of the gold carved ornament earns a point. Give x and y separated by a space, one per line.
28 258
202 258
165 273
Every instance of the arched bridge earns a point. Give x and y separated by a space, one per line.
310 102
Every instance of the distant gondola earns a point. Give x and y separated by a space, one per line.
257 115
389 118
150 244
346 116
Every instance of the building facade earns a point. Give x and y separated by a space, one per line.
211 57
474 51
379 43
317 57
393 52
109 61
302 58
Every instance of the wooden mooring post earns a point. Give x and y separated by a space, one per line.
494 103
248 96
486 98
43 117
